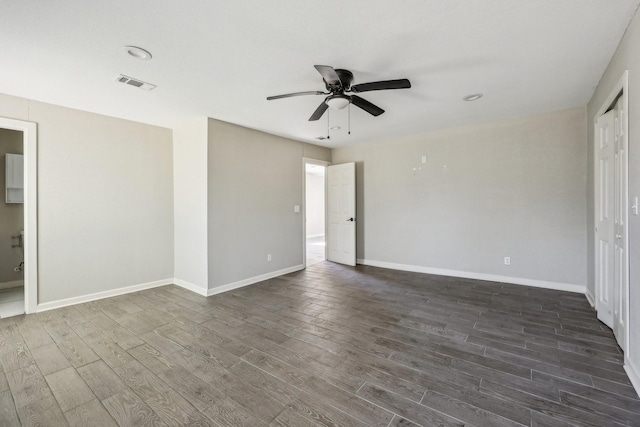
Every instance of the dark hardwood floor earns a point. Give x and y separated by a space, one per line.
332 346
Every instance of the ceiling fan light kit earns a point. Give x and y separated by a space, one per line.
337 102
341 93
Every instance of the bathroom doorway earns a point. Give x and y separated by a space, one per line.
315 211
18 218
11 223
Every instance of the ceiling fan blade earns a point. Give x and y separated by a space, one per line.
319 112
382 85
289 95
370 108
328 74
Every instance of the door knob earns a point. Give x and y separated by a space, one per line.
351 219
618 236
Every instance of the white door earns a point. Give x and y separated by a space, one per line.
621 274
341 207
605 220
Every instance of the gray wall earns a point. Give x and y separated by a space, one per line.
11 214
190 166
254 181
105 200
510 188
627 57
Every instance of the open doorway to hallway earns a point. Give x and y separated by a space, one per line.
315 213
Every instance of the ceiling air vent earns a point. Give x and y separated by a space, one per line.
133 82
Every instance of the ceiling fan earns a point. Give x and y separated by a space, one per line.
341 93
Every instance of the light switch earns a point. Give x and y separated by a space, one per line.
296 208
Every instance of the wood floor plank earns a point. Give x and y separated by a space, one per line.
349 403
276 367
406 408
49 359
28 385
8 414
401 422
110 352
291 418
101 379
14 354
42 412
69 388
329 345
556 410
260 401
4 385
175 410
139 379
227 413
77 352
34 333
91 414
128 409
200 393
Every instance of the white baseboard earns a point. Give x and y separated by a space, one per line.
590 298
190 287
633 373
478 276
172 281
250 281
12 284
100 295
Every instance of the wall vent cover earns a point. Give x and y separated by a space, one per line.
134 82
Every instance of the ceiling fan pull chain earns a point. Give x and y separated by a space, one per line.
328 114
349 113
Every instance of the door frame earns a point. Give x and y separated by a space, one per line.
305 162
621 91
30 150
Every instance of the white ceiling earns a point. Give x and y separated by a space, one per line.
222 58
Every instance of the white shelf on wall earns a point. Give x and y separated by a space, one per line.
14 178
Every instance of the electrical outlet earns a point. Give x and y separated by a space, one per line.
424 159
507 260
268 257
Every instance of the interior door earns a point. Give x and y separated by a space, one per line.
605 220
621 274
341 208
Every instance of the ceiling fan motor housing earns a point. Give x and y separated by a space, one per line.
346 78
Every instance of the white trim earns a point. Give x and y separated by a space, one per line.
251 280
30 150
633 373
190 287
12 284
100 295
590 298
569 287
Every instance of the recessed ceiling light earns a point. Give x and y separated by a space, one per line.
138 52
473 97
335 128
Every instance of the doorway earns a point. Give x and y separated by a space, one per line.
18 218
611 213
315 211
11 223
